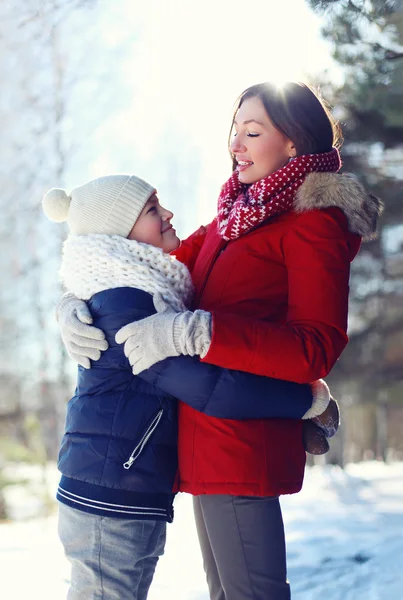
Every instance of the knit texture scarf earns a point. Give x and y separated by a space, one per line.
97 262
243 207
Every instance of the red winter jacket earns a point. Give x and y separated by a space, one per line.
279 299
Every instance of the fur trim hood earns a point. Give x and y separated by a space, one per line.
324 190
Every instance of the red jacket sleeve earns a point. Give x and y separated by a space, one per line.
189 249
318 249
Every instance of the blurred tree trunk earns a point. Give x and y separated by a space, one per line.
382 426
38 80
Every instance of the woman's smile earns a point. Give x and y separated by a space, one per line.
243 165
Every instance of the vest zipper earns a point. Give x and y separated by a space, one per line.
140 446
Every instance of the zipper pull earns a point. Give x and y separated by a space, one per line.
140 446
129 463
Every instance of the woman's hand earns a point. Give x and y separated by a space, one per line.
150 340
164 334
82 341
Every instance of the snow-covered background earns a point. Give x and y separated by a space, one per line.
149 88
344 533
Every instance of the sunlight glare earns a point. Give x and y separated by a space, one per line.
188 64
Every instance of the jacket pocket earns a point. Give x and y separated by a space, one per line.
144 439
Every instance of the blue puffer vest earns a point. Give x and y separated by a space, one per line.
119 453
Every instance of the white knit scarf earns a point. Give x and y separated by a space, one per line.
97 262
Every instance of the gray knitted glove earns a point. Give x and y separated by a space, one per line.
82 342
167 333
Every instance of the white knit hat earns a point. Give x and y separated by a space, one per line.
109 205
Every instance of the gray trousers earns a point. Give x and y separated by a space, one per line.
243 546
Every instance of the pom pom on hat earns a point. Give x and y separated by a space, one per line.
56 204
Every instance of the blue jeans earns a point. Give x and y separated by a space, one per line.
111 559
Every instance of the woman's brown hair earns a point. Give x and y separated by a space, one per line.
298 112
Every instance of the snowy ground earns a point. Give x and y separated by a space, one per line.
344 533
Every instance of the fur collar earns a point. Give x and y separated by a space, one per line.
323 190
97 262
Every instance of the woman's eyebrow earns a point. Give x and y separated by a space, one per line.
250 121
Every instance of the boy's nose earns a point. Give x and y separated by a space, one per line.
167 214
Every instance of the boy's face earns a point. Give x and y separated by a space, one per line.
154 227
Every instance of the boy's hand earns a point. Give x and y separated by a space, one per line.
167 333
150 340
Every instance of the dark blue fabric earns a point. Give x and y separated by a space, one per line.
229 394
108 417
112 410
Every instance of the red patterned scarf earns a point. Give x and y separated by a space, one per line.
243 207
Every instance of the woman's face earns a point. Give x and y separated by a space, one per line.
258 147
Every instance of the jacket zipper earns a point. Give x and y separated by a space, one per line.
219 251
140 446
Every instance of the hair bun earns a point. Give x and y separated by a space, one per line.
56 204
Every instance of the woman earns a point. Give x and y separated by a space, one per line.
271 272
